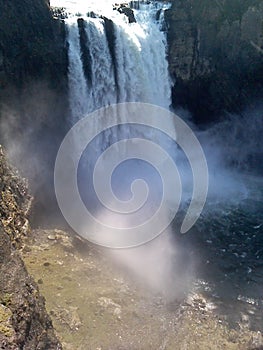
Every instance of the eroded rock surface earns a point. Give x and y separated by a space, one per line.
24 323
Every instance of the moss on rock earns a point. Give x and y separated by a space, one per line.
24 323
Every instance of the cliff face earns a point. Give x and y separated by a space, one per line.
33 71
31 44
33 62
33 87
215 55
24 323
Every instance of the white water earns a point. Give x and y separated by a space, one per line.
84 6
141 69
138 72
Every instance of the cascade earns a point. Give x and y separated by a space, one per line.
111 60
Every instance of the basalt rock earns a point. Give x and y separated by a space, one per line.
215 52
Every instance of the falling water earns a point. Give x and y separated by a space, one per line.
111 60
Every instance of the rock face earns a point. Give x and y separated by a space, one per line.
24 323
215 55
33 87
33 62
30 43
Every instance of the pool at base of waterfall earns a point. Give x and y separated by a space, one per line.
227 242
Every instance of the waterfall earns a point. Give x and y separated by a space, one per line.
119 192
111 60
77 84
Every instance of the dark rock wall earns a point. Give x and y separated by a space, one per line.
33 88
33 56
33 63
215 55
30 44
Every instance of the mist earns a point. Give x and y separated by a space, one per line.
159 265
32 125
163 265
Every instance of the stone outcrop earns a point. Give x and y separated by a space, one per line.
127 11
24 323
15 202
215 55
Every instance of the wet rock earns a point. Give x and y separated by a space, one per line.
127 11
92 14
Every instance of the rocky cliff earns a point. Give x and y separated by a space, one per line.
215 51
33 71
33 87
24 323
215 55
